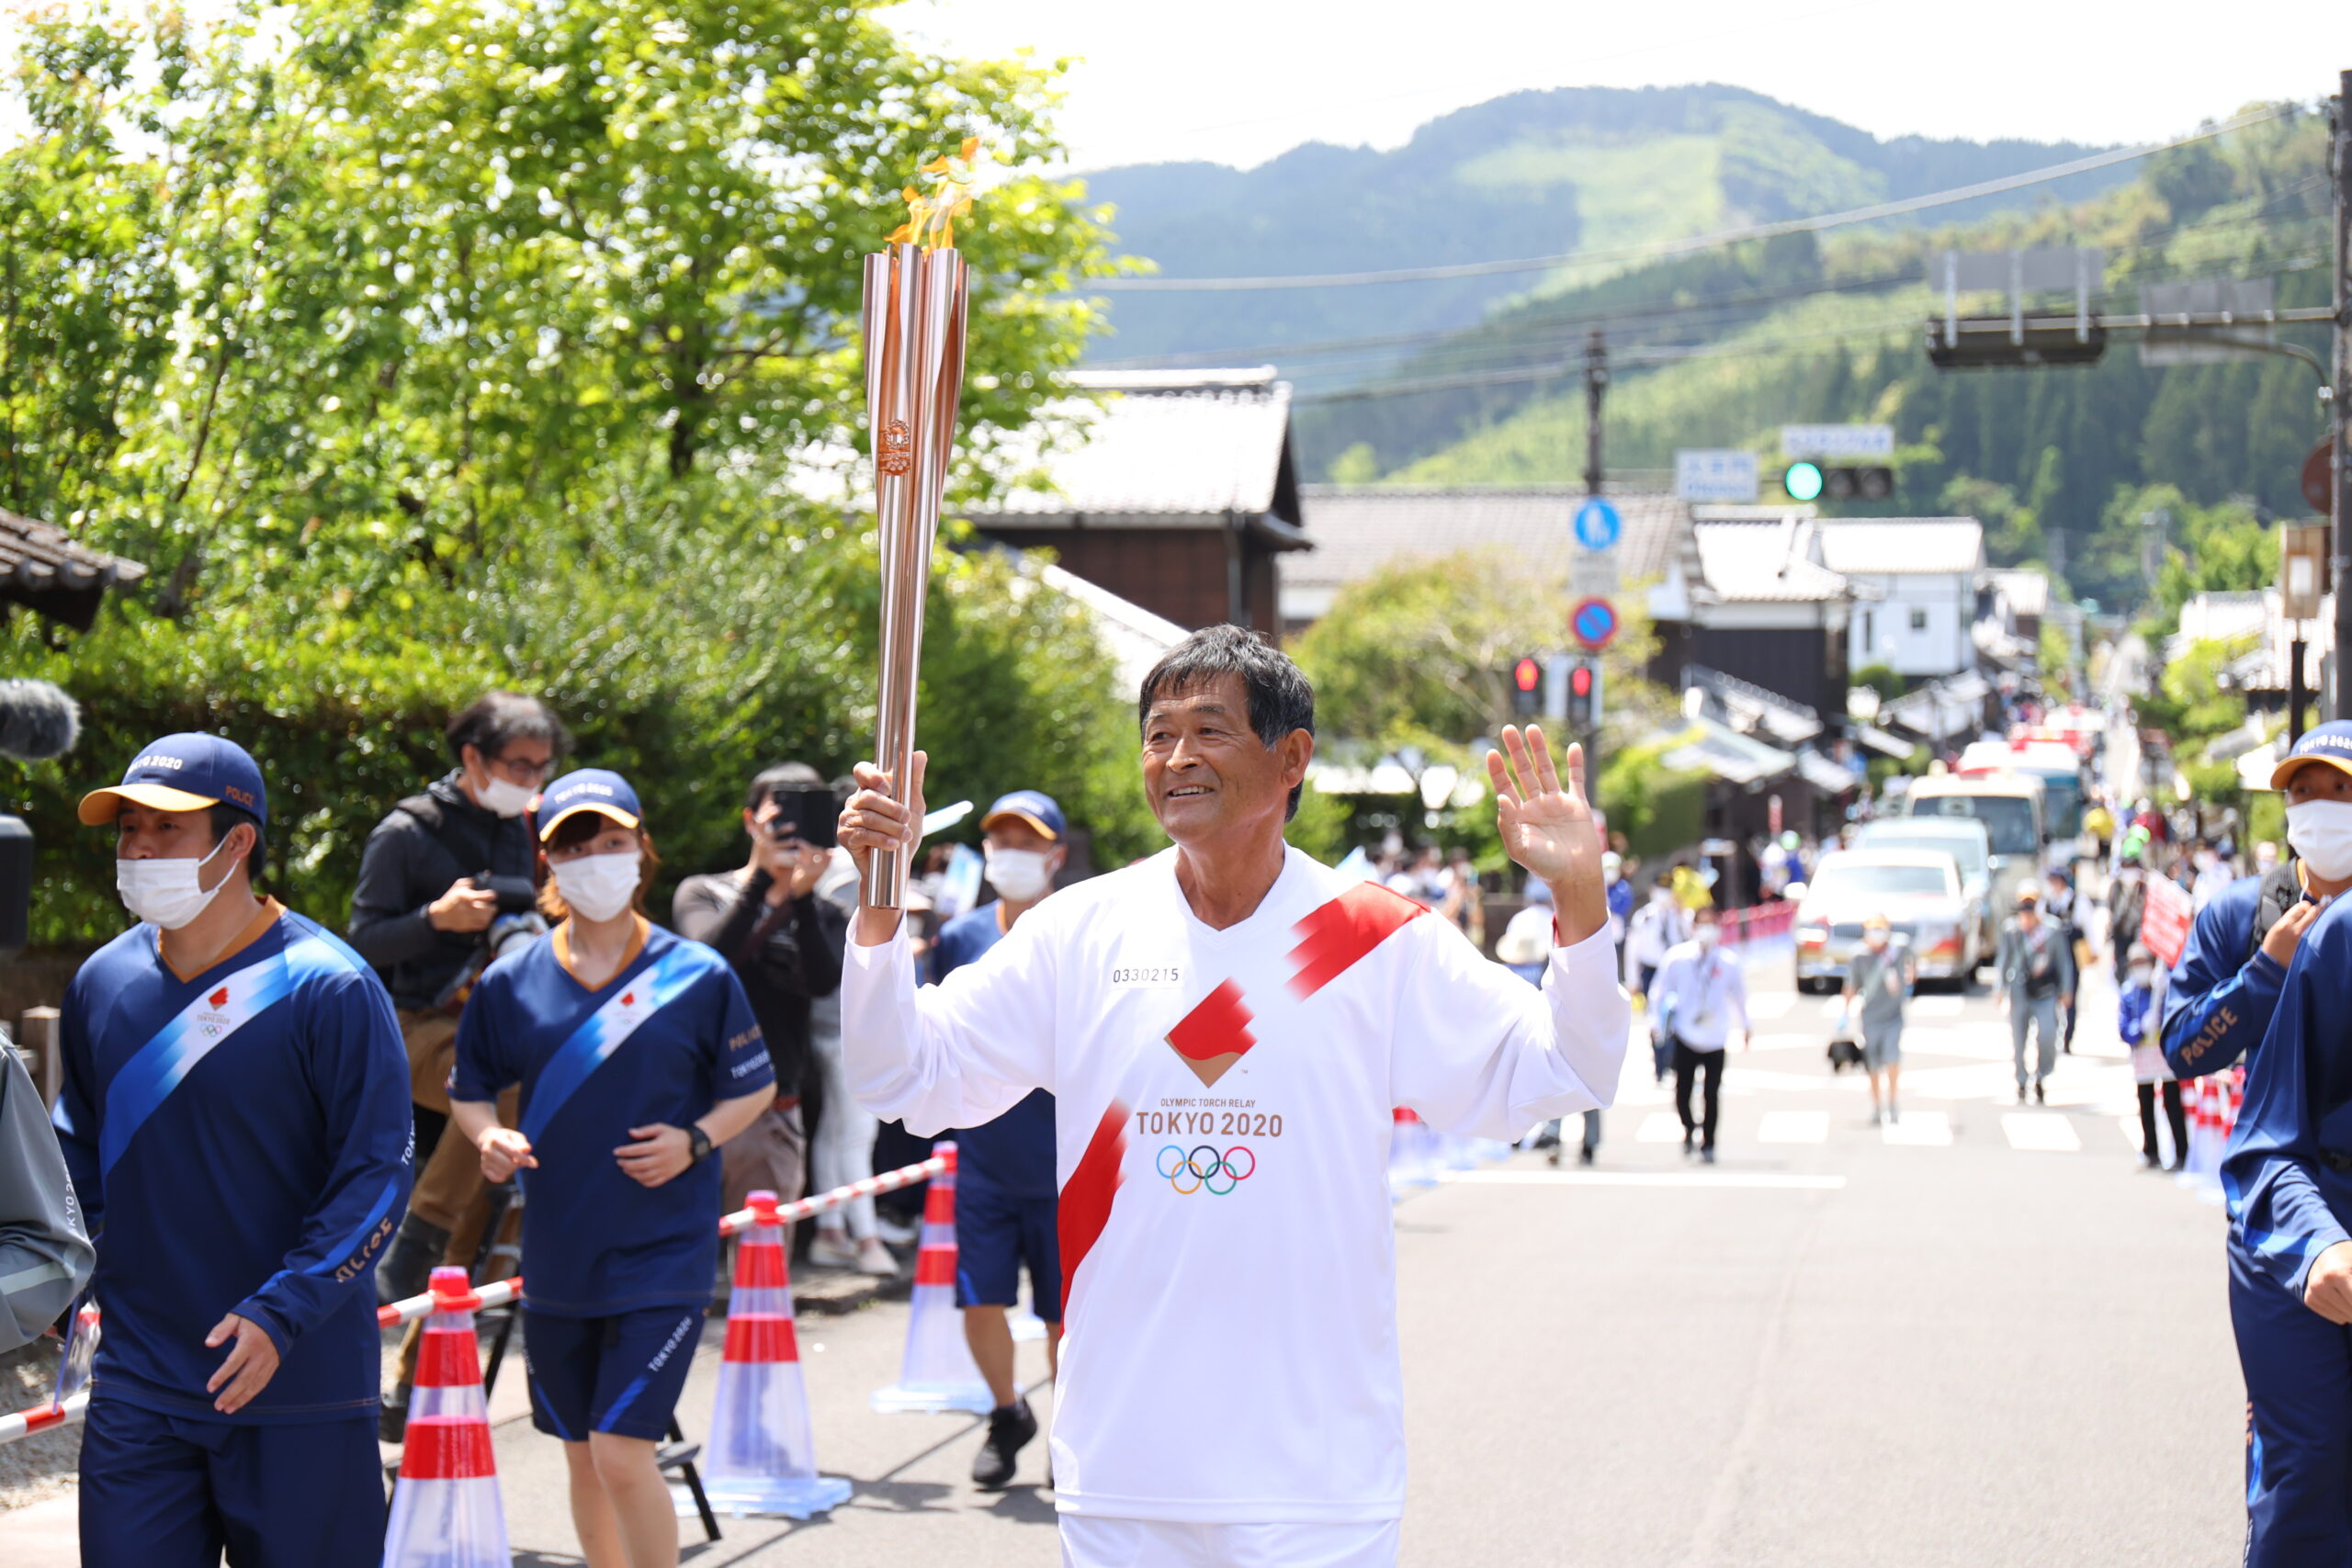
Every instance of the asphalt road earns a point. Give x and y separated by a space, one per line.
1984 1336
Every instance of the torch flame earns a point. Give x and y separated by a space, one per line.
932 215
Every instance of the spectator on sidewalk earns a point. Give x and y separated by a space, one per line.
1006 1190
1525 948
1878 983
445 884
2135 1012
1694 999
785 944
2037 970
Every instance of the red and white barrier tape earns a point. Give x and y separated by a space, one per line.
42 1417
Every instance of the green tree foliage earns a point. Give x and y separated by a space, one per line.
467 341
2221 548
2193 706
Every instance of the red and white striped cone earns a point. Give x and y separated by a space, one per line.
761 1458
939 1373
446 1507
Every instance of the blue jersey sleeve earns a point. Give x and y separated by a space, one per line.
360 1077
2269 1176
2132 1014
742 1066
76 1115
2220 1002
482 1068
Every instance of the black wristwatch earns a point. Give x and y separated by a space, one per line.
697 1144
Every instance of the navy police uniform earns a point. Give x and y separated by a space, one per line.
2225 987
241 1137
1006 1195
618 1273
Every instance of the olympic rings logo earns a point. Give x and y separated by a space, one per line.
1204 1168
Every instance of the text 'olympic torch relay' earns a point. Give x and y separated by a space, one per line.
915 293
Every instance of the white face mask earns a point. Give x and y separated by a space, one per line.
1021 876
164 893
598 887
504 797
2320 832
1708 936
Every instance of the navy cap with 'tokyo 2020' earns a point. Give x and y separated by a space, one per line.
183 773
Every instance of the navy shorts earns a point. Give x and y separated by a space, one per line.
620 1374
995 1235
177 1492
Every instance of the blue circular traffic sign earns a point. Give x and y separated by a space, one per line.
1594 623
1598 525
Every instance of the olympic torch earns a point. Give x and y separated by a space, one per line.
915 292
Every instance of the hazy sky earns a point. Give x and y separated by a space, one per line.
1238 81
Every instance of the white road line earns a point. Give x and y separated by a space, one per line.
2041 1132
1793 1127
1936 1006
1771 1004
1918 1129
1759 1179
1660 1127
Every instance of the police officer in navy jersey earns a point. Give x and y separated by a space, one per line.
2225 987
637 1055
1007 1200
235 1113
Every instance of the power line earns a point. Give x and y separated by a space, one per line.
1697 243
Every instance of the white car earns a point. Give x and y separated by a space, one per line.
1919 892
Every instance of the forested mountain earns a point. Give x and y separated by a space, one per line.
1720 350
1533 173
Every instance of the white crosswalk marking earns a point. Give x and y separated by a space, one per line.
1771 1004
1936 1006
1660 1127
1918 1129
2041 1132
1793 1127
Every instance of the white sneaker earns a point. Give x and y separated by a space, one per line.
891 1231
830 1251
874 1258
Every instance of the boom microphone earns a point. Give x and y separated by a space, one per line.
37 721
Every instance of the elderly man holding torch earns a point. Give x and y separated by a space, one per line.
1226 1027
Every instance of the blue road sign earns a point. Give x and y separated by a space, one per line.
1598 525
1594 622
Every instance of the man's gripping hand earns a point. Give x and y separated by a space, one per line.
875 819
2327 1289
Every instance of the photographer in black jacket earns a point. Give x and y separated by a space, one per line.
444 884
785 944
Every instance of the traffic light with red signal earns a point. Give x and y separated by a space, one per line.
1584 695
1527 687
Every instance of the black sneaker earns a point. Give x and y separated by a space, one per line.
1584 1157
2040 1097
1707 1155
1010 1429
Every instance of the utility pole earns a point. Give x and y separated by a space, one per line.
2340 408
1596 385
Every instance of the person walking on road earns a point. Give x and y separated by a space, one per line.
1526 949
1653 931
1878 982
235 1116
1226 1028
2135 1008
1693 1000
2037 969
1005 1202
637 1055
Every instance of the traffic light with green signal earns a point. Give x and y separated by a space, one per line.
1807 481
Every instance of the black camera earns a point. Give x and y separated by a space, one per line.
517 896
809 813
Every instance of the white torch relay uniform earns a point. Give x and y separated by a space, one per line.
1224 1105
